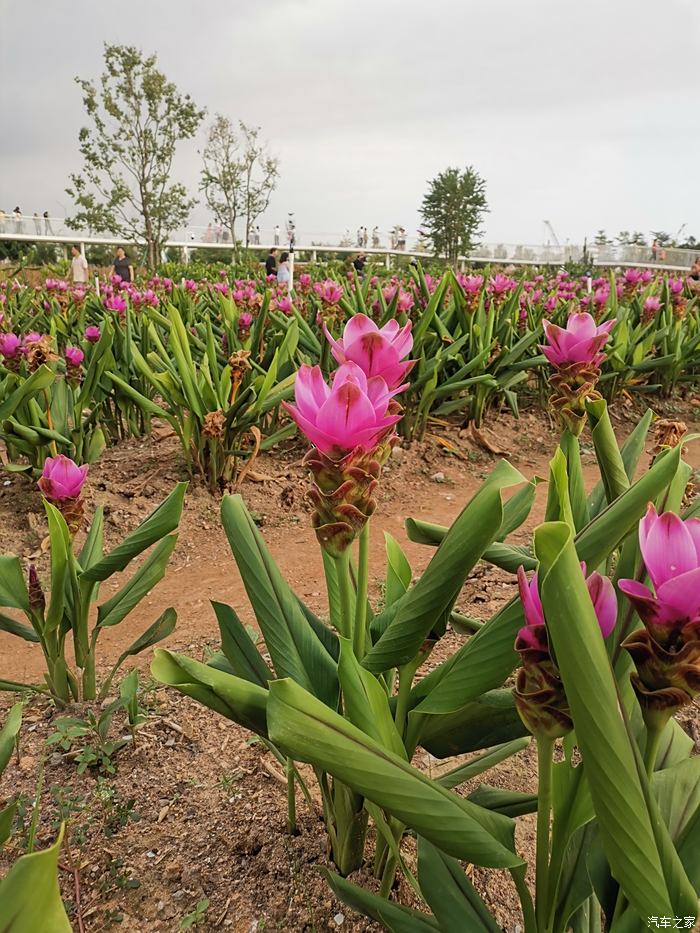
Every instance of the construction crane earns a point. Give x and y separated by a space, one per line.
549 229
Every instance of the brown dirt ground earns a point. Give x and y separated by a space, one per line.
203 807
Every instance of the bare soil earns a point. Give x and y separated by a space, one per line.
196 810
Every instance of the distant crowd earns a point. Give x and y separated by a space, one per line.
22 223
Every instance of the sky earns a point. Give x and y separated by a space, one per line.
583 114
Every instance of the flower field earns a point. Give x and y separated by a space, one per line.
468 681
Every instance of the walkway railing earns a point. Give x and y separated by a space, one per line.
35 229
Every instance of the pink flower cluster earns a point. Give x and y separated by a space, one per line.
354 411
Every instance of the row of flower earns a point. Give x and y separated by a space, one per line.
604 639
216 359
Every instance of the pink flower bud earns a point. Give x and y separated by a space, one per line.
61 478
74 356
579 343
92 333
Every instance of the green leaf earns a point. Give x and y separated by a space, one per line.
393 917
157 631
307 730
61 555
677 791
7 818
488 658
612 772
294 647
427 605
13 589
232 697
508 802
8 624
480 763
37 382
91 552
398 571
162 521
30 899
139 585
9 733
365 701
238 648
450 894
490 720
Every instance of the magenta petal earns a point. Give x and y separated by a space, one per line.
669 549
310 390
581 326
646 606
693 526
530 598
346 412
680 596
602 594
350 372
319 438
358 326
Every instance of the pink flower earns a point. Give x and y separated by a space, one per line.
671 552
92 333
74 356
651 305
61 478
285 305
10 346
676 286
580 342
190 285
533 633
329 291
245 319
350 414
632 277
471 283
116 303
378 352
304 281
501 284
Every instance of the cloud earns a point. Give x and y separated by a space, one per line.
580 113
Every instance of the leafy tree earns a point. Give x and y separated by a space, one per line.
138 118
452 210
623 238
601 239
663 239
238 175
637 239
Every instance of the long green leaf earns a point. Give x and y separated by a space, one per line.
8 734
307 730
611 768
162 521
139 585
393 917
30 899
427 605
295 649
238 647
232 697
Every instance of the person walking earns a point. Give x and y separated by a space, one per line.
37 222
276 240
271 262
654 250
3 218
375 237
283 272
121 266
78 267
48 230
17 216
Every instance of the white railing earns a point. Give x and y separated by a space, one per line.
39 229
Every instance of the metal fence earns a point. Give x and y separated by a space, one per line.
39 229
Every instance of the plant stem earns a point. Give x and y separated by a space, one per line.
654 733
529 919
291 800
359 632
545 747
406 675
342 566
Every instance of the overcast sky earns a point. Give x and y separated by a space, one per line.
586 114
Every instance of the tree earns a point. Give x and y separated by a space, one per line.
452 211
601 239
238 175
663 239
623 238
138 118
637 239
